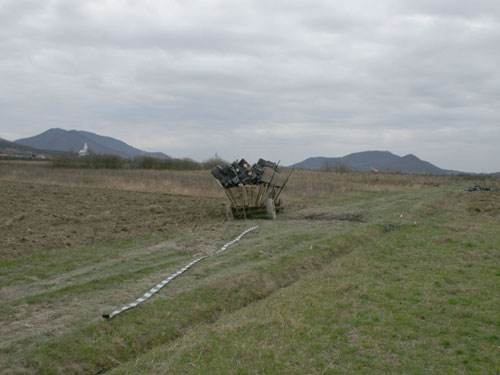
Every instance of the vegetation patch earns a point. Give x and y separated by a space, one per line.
349 216
408 302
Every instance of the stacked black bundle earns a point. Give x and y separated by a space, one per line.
241 173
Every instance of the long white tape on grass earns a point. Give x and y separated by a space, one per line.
157 287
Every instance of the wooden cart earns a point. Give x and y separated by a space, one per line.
257 200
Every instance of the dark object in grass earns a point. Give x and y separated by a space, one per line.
479 188
391 227
349 216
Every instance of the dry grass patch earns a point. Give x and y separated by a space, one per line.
303 184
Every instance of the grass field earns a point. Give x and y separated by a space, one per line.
362 274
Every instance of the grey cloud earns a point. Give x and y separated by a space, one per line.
451 8
304 78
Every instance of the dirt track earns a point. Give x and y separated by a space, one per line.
36 218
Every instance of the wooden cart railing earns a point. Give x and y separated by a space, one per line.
255 200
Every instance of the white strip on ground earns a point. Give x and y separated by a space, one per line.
157 287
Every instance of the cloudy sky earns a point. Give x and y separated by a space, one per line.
283 80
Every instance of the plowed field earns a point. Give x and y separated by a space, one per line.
37 218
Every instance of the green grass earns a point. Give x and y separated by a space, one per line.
50 264
410 294
145 327
412 301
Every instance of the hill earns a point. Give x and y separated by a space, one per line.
13 149
73 140
382 160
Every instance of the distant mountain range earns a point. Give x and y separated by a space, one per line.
55 142
73 140
383 161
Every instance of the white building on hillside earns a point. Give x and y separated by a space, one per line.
85 151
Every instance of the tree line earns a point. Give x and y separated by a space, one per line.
96 161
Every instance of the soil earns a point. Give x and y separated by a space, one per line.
327 216
38 218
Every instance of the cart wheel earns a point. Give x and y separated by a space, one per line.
271 209
229 212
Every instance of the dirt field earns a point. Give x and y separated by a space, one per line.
37 218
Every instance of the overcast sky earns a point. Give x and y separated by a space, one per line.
283 80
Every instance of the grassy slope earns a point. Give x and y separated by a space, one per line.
404 301
422 299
